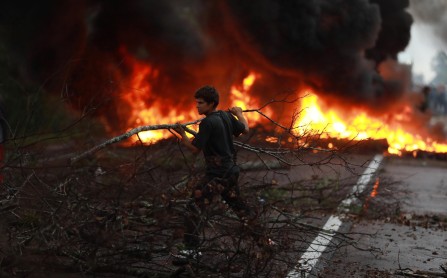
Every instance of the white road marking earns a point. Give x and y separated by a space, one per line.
310 258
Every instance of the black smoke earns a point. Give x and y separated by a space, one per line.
326 42
333 46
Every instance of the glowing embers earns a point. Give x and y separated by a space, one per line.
357 125
375 188
372 195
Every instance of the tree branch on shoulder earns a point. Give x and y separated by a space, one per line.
276 153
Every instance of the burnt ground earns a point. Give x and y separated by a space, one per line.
119 212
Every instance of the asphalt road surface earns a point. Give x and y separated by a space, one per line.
401 231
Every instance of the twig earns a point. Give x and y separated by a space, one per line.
443 268
420 273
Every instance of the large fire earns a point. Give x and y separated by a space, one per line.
359 126
312 120
144 113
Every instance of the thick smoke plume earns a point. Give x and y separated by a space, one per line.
81 48
434 13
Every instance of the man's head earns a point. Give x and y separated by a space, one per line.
207 99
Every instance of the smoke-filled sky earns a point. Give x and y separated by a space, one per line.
428 35
84 47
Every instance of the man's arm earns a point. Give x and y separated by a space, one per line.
237 111
185 140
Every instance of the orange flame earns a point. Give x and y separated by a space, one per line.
375 189
372 195
145 109
359 126
149 113
240 96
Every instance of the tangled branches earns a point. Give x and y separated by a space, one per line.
96 221
122 212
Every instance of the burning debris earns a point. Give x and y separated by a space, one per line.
136 63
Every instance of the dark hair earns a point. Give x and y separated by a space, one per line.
208 94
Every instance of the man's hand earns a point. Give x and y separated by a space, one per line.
180 130
237 111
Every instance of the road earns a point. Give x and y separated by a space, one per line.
402 228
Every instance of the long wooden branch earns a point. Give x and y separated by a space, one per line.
127 135
185 126
147 128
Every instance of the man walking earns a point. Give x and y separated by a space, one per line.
215 140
